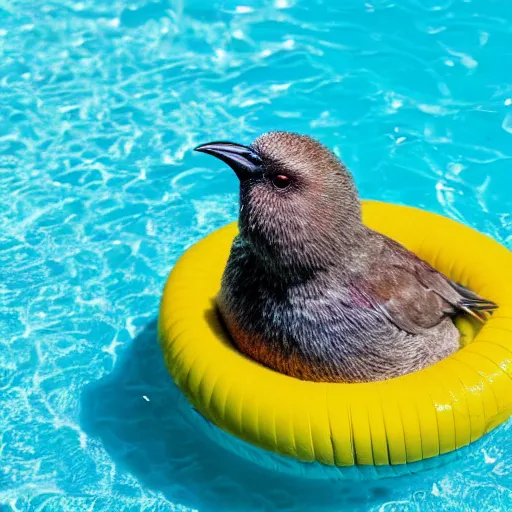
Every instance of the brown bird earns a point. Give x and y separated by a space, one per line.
309 290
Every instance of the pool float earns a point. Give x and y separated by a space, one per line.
399 421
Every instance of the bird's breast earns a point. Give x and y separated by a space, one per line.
269 353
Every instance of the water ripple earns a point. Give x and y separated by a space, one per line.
101 104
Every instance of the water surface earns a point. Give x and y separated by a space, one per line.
101 103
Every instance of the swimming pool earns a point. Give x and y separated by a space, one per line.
101 104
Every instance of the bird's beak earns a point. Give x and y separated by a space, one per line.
242 159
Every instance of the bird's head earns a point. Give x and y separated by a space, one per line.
298 204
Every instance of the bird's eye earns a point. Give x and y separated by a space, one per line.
281 181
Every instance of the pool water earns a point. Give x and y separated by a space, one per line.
101 103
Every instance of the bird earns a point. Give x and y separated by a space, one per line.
309 290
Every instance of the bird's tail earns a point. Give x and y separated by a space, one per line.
474 305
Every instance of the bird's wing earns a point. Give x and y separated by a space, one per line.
412 294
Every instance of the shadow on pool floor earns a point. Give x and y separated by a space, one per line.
144 424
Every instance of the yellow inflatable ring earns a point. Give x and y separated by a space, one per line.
402 420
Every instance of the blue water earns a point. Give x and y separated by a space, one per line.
101 103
